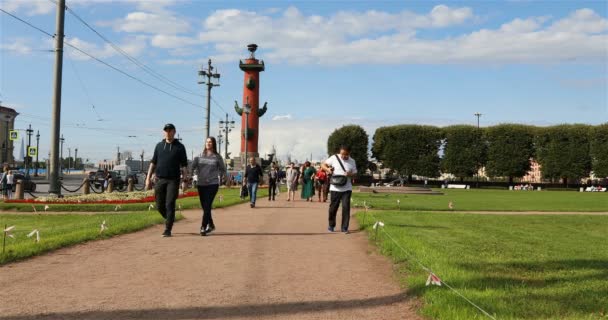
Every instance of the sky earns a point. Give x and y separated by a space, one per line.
328 64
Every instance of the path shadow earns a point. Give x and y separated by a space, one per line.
222 312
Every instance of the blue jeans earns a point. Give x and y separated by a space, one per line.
253 190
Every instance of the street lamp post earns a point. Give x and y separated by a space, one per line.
478 115
37 152
69 159
61 154
247 111
75 157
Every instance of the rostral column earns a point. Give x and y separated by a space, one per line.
251 97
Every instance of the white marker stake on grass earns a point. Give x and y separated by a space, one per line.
34 232
433 279
377 226
150 207
103 227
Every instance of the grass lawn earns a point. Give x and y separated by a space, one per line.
231 197
515 267
63 230
489 200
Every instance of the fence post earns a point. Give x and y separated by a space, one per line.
87 186
130 185
19 190
110 186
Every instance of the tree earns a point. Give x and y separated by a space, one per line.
563 151
408 149
510 148
464 152
599 150
356 138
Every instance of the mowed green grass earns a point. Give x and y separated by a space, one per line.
515 267
489 200
61 230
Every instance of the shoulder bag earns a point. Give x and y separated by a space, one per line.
339 180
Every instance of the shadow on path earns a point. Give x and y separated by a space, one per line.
222 312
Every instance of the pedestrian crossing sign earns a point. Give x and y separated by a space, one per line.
14 135
32 151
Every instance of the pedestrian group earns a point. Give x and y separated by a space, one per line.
331 179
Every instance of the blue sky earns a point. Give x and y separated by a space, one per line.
328 63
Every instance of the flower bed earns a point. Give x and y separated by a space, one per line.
104 198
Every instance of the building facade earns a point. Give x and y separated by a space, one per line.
7 123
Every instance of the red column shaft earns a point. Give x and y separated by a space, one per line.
253 96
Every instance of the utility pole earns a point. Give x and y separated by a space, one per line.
61 164
27 156
37 152
226 127
209 74
478 115
69 159
55 187
75 157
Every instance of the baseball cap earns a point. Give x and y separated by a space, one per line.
169 126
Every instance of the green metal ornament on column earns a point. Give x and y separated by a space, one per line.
250 84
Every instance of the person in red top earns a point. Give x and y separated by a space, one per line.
321 184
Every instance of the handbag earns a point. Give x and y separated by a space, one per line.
244 192
339 180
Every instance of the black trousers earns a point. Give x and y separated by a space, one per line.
166 192
206 194
272 188
336 198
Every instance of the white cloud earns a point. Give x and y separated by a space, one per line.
151 23
42 7
19 46
30 7
172 41
133 46
377 37
282 117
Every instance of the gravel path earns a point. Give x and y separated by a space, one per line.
276 261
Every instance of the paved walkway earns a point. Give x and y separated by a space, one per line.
272 262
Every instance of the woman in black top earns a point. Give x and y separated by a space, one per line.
253 173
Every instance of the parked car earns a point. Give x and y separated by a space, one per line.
28 184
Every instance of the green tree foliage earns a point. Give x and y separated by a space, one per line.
464 151
599 150
509 150
408 149
563 151
355 137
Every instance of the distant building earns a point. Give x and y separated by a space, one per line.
534 175
7 123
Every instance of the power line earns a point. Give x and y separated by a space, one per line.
84 88
105 63
29 24
138 63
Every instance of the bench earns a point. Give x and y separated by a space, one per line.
458 186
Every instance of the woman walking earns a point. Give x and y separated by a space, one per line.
291 179
209 166
10 180
320 182
253 174
308 190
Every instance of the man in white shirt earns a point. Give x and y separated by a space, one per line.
340 165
